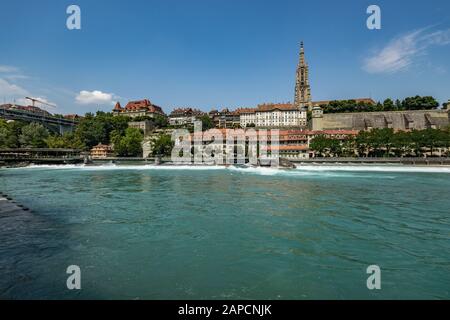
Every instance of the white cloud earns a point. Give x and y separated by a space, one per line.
24 101
16 77
12 92
8 90
8 69
401 52
94 97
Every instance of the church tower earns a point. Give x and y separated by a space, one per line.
302 88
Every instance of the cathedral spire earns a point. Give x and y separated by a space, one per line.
302 88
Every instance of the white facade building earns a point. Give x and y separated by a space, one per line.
273 115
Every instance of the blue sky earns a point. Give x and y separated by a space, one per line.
220 53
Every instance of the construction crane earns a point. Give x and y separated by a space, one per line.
33 101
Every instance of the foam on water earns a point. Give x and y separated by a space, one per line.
300 170
375 168
113 166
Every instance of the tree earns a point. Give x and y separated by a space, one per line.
433 138
206 122
335 147
129 145
388 105
419 103
92 132
10 132
160 121
382 140
445 105
163 145
401 143
348 147
362 142
6 135
95 129
319 144
33 136
68 140
410 103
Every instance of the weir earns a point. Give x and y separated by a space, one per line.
9 207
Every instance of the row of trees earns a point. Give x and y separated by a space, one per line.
410 103
384 143
93 129
18 134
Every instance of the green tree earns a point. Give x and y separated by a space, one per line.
362 142
33 136
419 103
8 139
160 121
388 105
163 145
401 143
434 138
10 132
95 129
382 140
68 140
319 144
129 145
335 147
206 122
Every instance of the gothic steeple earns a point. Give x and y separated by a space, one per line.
302 88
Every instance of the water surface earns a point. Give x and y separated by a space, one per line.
143 232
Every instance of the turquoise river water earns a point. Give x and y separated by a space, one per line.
145 232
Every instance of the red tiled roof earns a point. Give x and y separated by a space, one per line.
268 107
139 105
118 107
287 148
186 112
246 110
275 106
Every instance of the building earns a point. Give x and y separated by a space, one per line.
73 117
101 151
273 116
138 108
302 88
397 120
225 118
184 116
146 126
214 115
293 144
